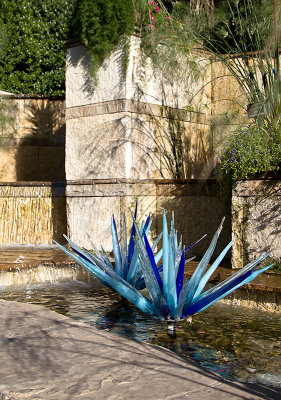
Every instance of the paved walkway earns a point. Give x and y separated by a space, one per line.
44 355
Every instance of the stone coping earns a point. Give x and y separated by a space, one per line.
47 356
147 187
33 183
30 96
48 140
136 107
38 190
257 187
137 181
112 187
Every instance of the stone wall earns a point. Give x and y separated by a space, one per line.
32 140
127 127
32 149
197 207
119 145
256 220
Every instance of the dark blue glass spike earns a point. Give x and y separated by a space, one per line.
131 247
146 223
132 239
193 244
116 247
180 273
198 305
152 262
160 268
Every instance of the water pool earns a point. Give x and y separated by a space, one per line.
238 343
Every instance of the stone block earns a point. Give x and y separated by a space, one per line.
197 150
227 94
34 124
80 88
108 146
89 219
8 171
187 89
256 220
93 203
196 216
26 163
96 147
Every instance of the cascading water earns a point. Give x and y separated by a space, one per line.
21 276
29 213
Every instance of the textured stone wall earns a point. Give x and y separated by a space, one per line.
32 141
130 139
123 127
196 204
256 220
119 147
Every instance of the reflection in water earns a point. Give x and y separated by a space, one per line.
238 343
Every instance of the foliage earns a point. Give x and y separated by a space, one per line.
254 149
33 59
245 37
175 69
101 25
3 39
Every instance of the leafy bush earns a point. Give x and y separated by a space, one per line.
101 25
33 58
254 149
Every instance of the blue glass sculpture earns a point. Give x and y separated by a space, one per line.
170 297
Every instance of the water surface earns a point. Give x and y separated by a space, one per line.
238 343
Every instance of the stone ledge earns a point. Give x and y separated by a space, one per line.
33 141
136 107
32 190
124 187
261 187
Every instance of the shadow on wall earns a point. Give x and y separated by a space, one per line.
198 154
198 210
33 149
140 145
79 59
41 152
181 138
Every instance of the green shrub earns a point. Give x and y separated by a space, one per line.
256 148
33 58
101 25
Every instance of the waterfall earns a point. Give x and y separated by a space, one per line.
31 214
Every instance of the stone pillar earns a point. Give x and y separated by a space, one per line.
256 220
120 130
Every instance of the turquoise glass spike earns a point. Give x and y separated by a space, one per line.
137 267
116 248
